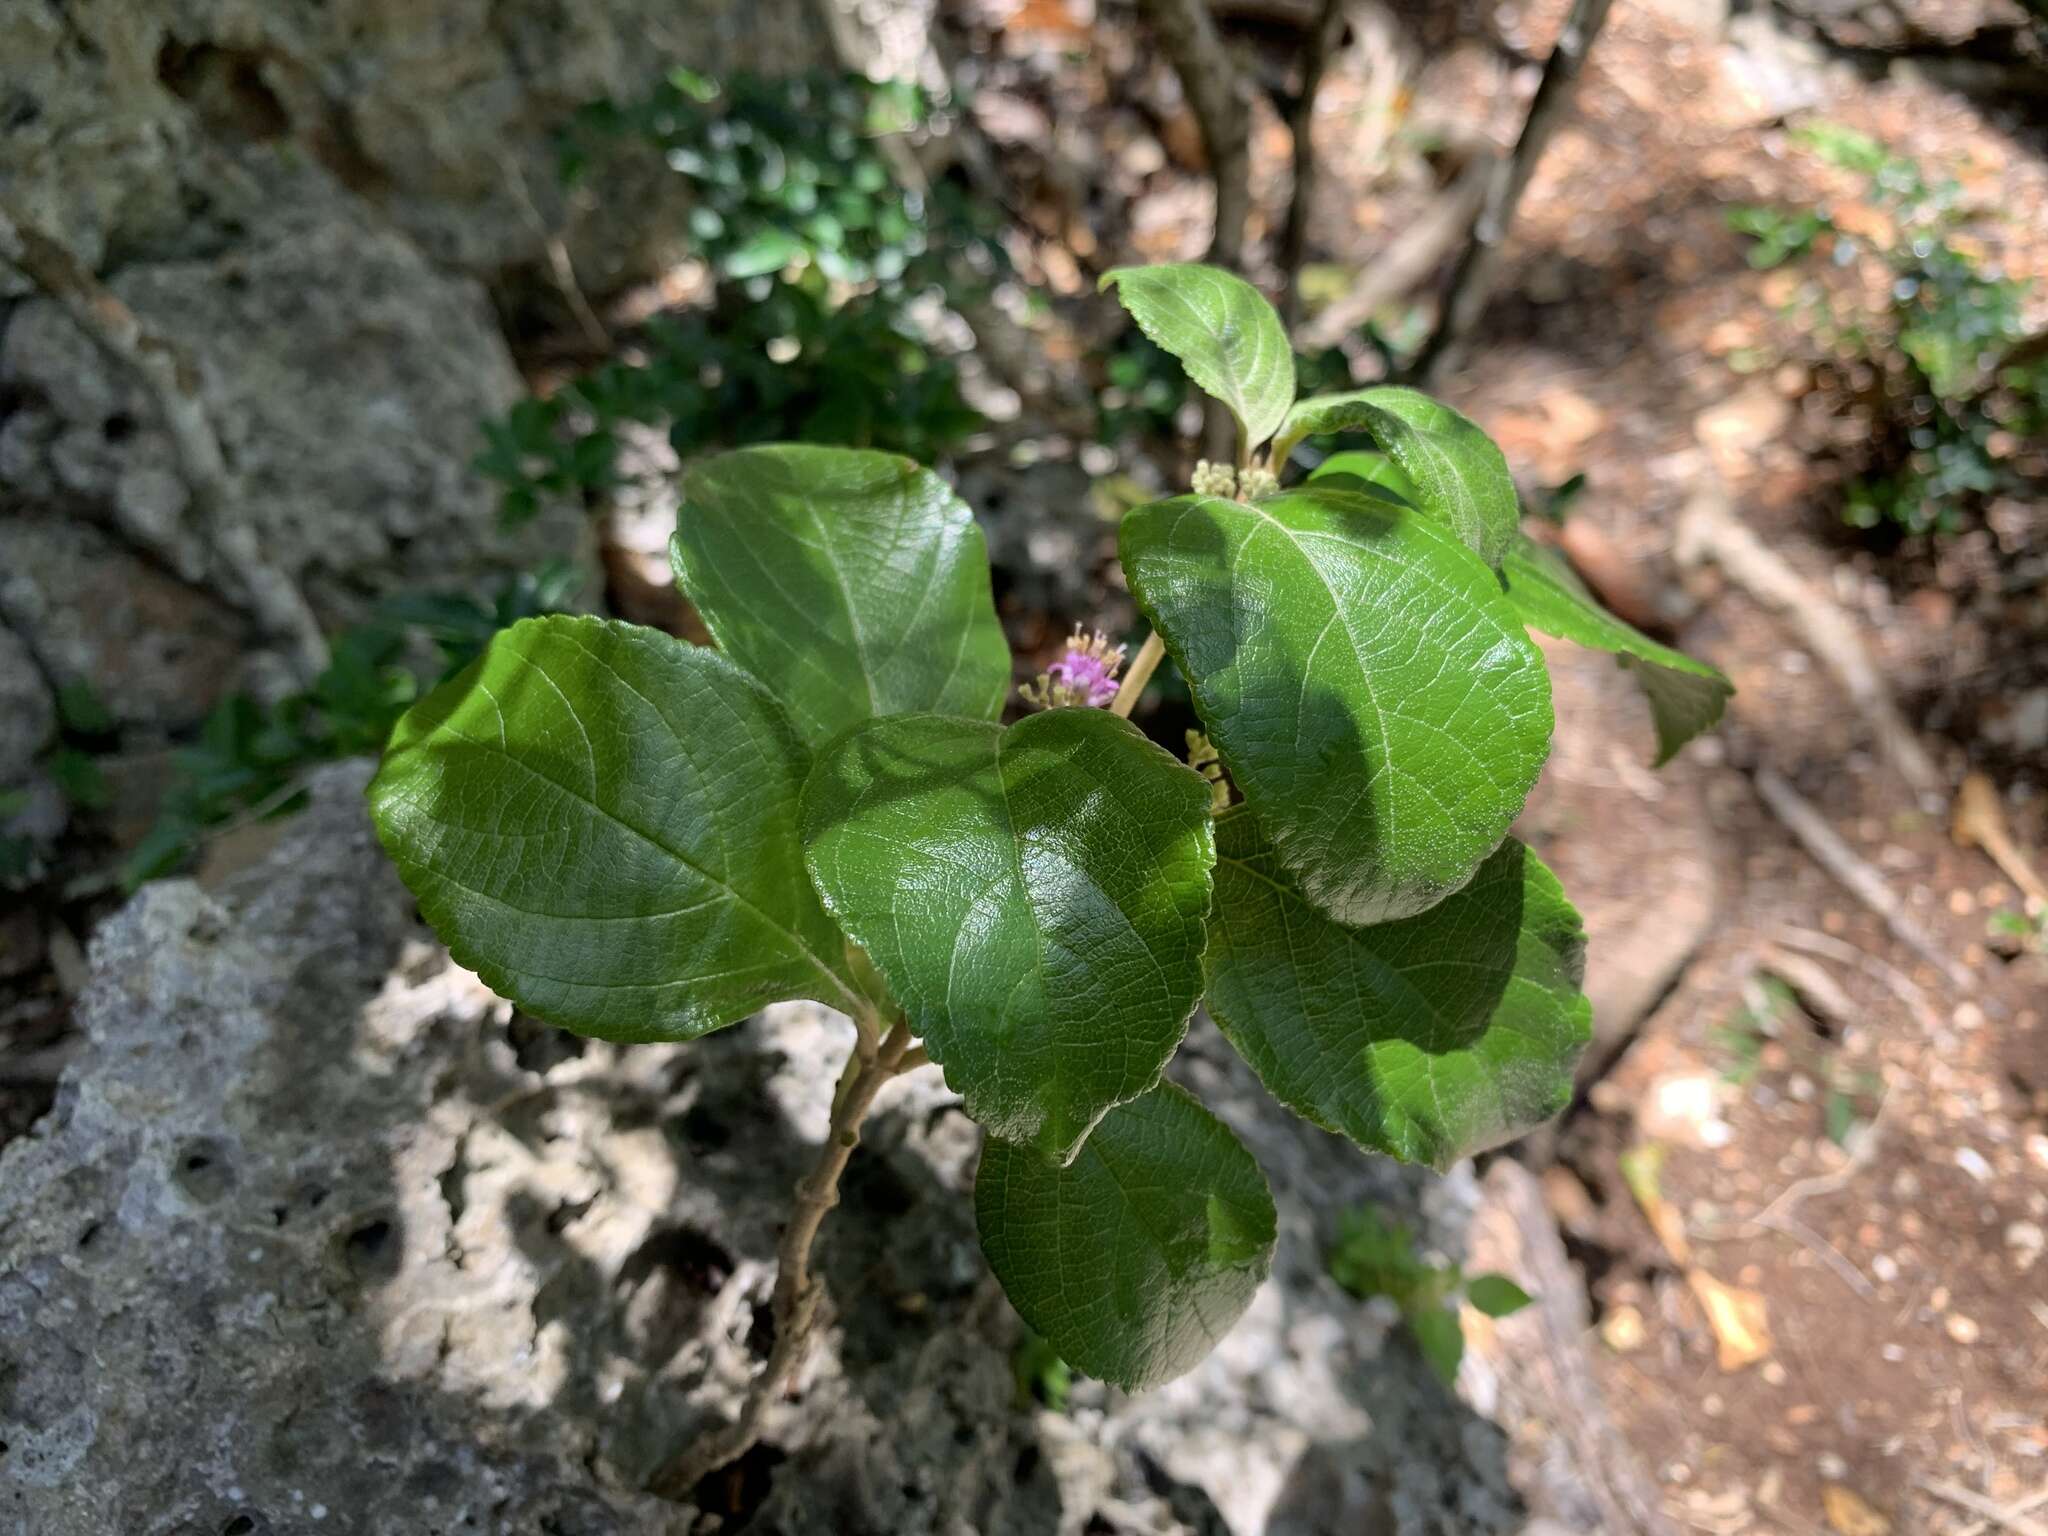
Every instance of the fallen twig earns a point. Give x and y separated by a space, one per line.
1823 1250
1901 986
1781 1215
2011 1517
1819 992
1853 871
1980 823
1408 260
1472 281
1710 529
2030 1503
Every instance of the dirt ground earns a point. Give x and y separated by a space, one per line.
1848 1143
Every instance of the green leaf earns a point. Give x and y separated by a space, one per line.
854 584
1496 1295
1430 1038
1223 331
765 251
1138 1257
600 821
1364 678
81 711
1370 467
1686 696
1458 475
1441 1338
1034 897
1376 1257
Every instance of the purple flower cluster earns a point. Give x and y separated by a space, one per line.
1086 674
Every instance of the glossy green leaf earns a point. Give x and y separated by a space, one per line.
1458 475
1138 1257
1227 337
1035 897
1364 678
600 821
1374 469
1496 1295
854 584
1686 696
1430 1038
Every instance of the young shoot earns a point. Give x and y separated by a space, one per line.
643 840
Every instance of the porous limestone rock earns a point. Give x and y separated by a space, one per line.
154 651
346 378
119 118
321 1237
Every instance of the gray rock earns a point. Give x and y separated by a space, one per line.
121 119
28 715
154 650
321 1237
346 378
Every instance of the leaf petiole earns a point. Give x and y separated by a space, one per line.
1143 665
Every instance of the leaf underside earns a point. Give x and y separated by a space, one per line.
1428 1039
1686 696
1362 675
1380 474
1035 897
600 820
1227 337
853 584
1135 1259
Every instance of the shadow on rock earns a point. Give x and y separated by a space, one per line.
321 1236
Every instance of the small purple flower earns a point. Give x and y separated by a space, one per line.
1085 674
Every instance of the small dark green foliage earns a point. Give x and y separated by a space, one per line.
2016 930
17 853
250 758
1042 1376
1376 1257
1143 390
816 254
644 841
71 760
1961 387
85 733
787 171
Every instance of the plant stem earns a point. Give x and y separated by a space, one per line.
1143 665
1472 283
1322 43
796 1294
